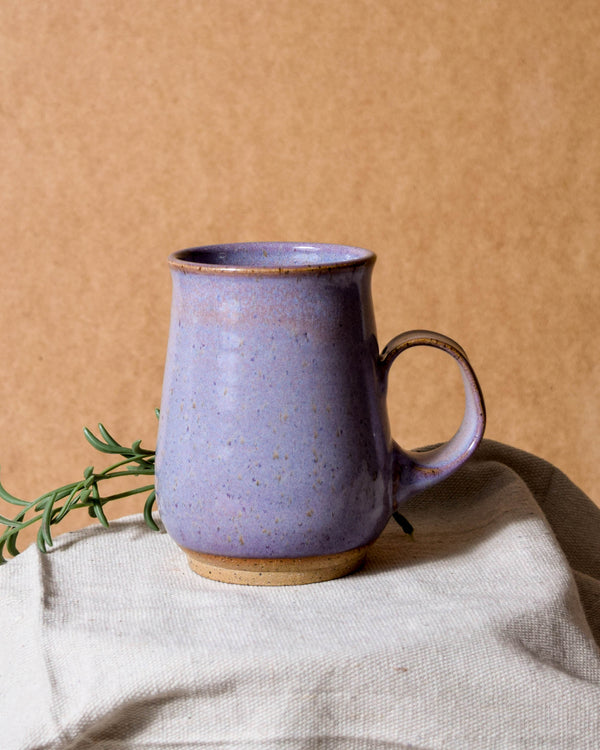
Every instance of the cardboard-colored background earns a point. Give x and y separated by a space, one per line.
459 141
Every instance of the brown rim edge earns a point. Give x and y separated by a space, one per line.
368 259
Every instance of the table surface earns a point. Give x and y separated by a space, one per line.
480 632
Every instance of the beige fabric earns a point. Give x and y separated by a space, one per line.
474 635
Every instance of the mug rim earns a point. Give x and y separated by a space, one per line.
189 260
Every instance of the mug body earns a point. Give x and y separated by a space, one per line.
273 438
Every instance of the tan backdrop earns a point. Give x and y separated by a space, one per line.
459 141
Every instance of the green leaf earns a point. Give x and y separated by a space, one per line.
11 545
5 495
404 523
148 505
99 513
107 436
46 521
84 495
95 443
41 540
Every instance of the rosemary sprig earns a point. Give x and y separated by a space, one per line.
51 507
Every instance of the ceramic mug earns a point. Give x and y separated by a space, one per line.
274 461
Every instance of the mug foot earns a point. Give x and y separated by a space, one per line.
285 571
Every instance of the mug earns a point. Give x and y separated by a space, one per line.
274 459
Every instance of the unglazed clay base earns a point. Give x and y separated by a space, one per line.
286 571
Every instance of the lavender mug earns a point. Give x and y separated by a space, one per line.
274 461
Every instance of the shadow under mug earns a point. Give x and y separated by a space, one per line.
274 461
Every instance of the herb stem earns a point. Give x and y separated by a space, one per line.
83 493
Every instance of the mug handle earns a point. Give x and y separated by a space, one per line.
416 470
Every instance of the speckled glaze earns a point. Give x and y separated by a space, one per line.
274 441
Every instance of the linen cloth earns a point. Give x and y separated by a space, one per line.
480 633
